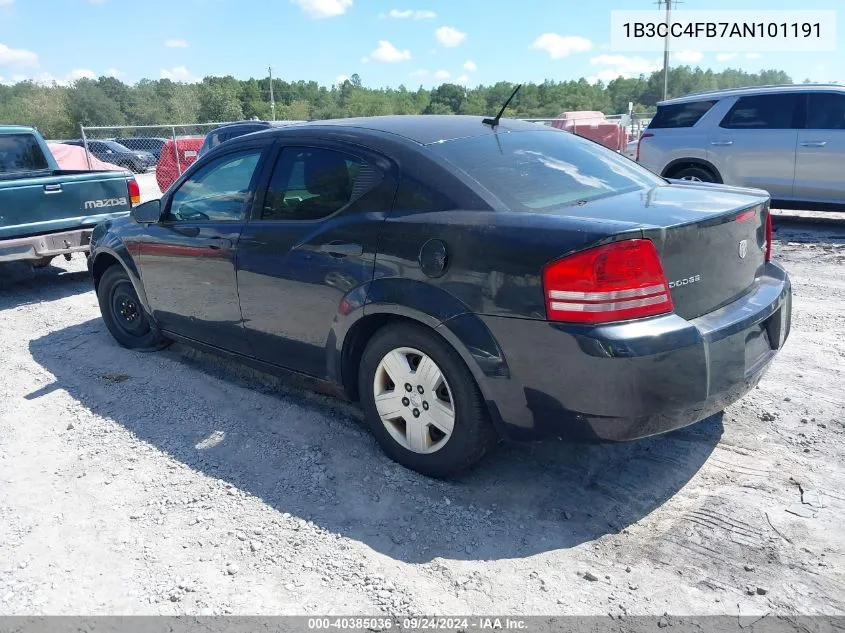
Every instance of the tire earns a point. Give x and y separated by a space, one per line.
133 329
699 174
429 451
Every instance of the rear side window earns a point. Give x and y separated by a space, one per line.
680 114
825 111
20 152
762 112
314 183
533 171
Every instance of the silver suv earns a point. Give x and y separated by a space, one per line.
788 140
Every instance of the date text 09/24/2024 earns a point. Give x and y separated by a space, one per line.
417 623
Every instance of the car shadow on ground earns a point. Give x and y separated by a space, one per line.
20 284
310 456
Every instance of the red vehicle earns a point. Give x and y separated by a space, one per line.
170 167
594 126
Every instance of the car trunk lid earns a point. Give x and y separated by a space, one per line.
711 239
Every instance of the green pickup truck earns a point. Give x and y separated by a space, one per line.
46 211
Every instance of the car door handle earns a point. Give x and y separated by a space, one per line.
216 243
721 142
341 249
813 143
48 189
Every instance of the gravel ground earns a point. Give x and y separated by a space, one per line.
174 482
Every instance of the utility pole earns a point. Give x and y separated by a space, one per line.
668 4
272 100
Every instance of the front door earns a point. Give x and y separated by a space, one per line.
314 242
187 260
820 160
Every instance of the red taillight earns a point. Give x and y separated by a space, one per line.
615 282
134 192
642 136
769 235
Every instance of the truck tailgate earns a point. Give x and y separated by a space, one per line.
61 200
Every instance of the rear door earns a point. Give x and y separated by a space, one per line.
820 157
754 144
187 260
311 243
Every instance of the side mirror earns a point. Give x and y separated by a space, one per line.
147 213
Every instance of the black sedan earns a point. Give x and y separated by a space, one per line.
116 154
466 280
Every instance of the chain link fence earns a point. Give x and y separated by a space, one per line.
157 154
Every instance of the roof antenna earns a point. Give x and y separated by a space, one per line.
495 120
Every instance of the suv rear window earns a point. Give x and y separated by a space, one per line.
20 152
533 171
680 114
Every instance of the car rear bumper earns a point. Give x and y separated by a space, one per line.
37 247
635 379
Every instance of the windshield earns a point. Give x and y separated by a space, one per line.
533 171
115 146
20 152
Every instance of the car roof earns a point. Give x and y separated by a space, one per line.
423 129
753 90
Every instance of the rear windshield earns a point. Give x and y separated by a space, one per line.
534 171
20 152
680 114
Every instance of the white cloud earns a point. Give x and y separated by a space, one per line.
387 52
725 57
10 57
340 79
178 73
442 74
450 37
463 79
470 65
365 60
409 13
688 57
176 43
112 72
6 3
422 72
323 8
753 56
622 66
560 46
82 73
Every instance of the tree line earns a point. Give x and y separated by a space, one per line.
58 110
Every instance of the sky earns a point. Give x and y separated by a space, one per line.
386 42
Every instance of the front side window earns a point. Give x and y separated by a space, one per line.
680 114
217 192
19 153
314 183
762 112
826 111
535 171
